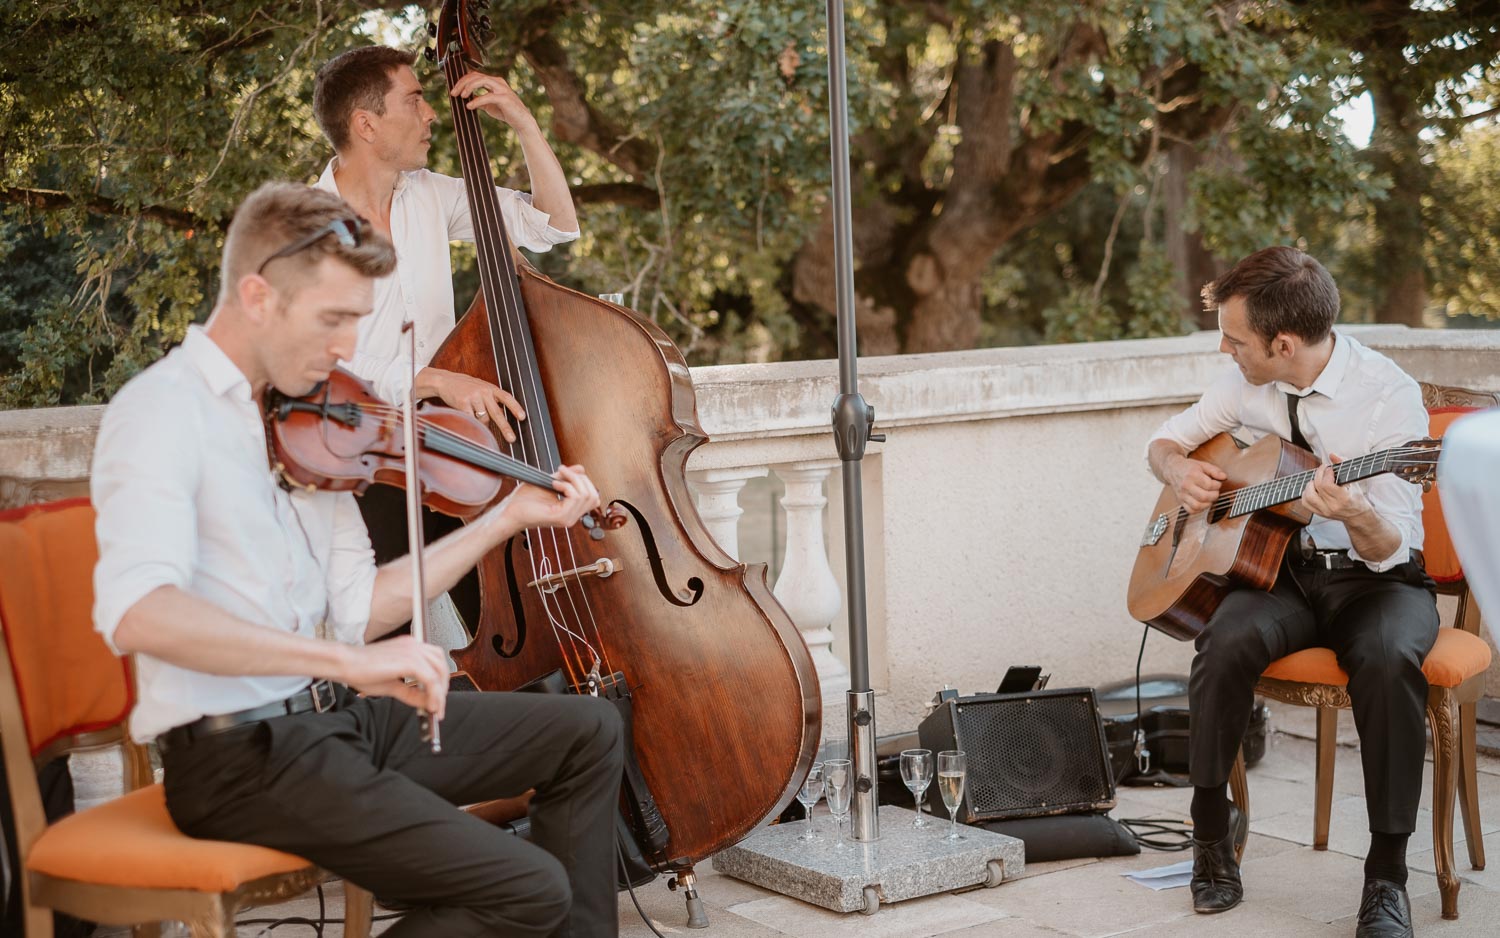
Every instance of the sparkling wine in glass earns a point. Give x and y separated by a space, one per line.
808 794
952 769
838 786
916 772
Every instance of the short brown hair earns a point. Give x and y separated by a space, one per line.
355 80
1284 289
281 213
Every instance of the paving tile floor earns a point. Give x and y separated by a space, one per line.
1291 889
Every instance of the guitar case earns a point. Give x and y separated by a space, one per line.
1164 711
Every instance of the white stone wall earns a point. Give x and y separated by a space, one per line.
1001 514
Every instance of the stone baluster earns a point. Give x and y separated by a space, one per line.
718 495
807 587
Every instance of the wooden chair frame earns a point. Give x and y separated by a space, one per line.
1451 713
207 914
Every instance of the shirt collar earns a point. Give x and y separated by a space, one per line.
1332 375
328 183
223 376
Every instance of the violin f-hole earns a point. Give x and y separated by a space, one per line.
518 609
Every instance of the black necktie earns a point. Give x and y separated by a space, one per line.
1291 412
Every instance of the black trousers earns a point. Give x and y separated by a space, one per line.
1380 625
358 793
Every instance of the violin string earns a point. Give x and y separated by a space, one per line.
500 286
477 453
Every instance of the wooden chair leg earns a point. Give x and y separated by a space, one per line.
1239 793
1328 739
1468 785
1442 713
359 911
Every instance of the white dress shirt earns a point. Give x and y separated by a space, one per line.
1469 478
1362 402
428 210
185 497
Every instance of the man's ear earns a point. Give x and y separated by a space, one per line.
257 297
1285 345
362 125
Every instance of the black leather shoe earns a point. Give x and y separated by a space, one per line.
1384 911
1216 882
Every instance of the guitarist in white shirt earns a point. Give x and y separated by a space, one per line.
1352 581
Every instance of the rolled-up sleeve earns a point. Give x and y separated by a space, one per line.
350 574
1402 418
529 226
144 485
1217 411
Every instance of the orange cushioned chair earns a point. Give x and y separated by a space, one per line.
61 690
1455 670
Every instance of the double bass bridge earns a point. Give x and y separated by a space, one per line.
550 583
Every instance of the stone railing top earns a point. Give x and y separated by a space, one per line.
789 399
793 398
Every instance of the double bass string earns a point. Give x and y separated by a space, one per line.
476 169
507 349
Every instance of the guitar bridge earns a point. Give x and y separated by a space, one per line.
1154 531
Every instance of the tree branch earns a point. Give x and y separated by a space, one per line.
575 120
52 200
617 193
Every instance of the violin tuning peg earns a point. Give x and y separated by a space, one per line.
484 23
430 54
432 30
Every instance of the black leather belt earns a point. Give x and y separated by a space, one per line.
319 696
1336 559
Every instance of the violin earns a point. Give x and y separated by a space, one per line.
342 437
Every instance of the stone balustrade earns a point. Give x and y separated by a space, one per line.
1001 514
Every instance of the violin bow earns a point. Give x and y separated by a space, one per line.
414 537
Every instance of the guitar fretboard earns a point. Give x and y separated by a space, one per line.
1289 488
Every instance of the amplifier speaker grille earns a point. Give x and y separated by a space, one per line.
1030 754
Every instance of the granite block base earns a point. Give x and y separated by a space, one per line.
905 863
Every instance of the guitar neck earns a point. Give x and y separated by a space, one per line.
1289 488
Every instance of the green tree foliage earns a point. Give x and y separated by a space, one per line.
695 136
1463 251
1430 69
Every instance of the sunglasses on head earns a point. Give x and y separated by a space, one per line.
345 229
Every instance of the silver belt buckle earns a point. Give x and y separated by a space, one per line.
317 696
1327 560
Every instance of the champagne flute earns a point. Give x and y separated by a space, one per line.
952 768
808 794
838 785
916 772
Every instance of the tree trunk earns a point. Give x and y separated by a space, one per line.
1396 151
1192 262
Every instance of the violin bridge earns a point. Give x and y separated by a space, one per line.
553 582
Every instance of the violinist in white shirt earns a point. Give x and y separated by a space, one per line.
252 610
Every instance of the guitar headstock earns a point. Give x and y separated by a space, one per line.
463 27
1416 460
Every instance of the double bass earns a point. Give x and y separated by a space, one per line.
724 698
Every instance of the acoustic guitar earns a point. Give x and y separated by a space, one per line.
1189 561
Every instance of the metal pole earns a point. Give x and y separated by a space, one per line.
852 422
